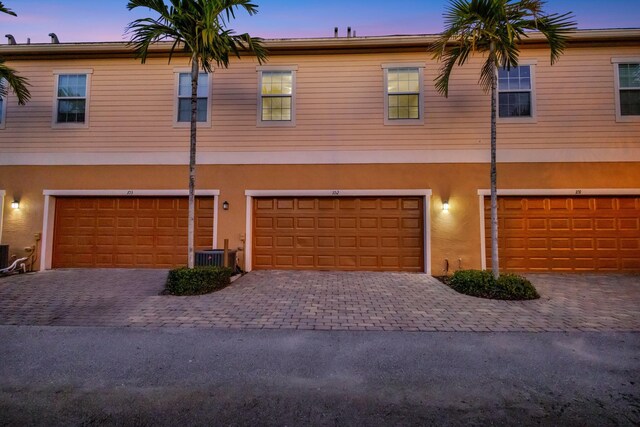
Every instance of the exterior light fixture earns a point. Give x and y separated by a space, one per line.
225 205
15 204
445 206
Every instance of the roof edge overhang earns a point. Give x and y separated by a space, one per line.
604 37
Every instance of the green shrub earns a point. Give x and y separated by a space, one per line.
512 286
197 281
482 284
472 282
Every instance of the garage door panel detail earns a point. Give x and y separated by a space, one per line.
586 233
349 233
142 232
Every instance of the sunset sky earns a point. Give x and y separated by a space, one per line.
105 20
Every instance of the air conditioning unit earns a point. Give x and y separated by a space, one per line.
215 257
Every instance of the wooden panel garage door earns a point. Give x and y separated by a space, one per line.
566 234
346 233
127 232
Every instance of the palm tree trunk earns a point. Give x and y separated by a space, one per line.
495 266
195 68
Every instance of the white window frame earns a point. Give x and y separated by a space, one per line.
534 111
176 123
274 68
3 113
404 122
616 75
54 119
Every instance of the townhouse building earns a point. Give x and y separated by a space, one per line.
336 154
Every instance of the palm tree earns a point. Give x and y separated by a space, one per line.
18 84
494 28
199 27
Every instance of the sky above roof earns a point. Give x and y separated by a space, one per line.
105 20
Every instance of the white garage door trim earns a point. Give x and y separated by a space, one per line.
46 252
425 193
482 193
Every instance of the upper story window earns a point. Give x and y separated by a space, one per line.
277 96
404 94
629 89
72 99
515 92
183 114
277 93
3 108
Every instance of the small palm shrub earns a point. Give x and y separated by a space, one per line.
197 281
482 284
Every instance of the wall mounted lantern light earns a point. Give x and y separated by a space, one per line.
225 205
445 206
15 204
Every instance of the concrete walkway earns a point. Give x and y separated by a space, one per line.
317 300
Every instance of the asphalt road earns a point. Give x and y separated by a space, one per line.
108 376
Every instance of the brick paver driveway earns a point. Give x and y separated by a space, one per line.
317 300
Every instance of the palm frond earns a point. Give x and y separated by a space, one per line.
555 28
487 74
477 24
4 9
200 26
452 57
147 31
16 83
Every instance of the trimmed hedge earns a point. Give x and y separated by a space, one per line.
197 281
482 284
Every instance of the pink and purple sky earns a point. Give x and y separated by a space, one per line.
105 20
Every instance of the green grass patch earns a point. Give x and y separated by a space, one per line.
482 284
197 281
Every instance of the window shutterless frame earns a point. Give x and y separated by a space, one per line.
281 102
533 117
3 107
87 73
403 95
201 94
617 62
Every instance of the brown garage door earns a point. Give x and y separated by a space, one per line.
346 233
126 232
566 234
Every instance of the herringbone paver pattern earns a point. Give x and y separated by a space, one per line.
317 300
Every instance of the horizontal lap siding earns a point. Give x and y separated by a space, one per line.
339 107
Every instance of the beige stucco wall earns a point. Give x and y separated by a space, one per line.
454 235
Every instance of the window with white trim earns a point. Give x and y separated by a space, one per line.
183 107
515 92
629 89
277 96
71 98
403 94
3 106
